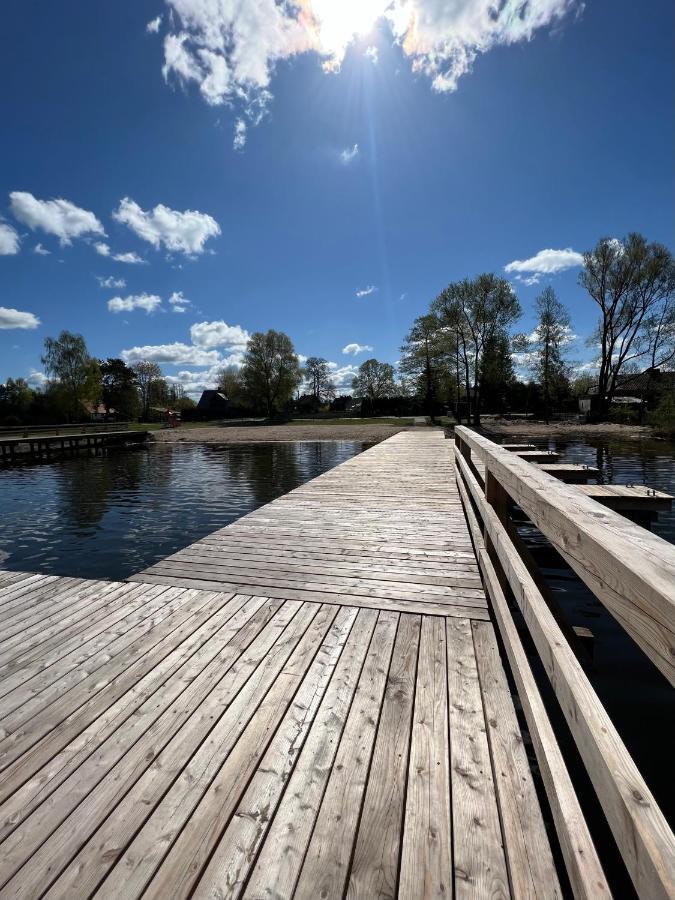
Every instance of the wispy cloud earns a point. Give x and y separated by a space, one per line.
354 349
372 53
364 292
131 258
179 303
153 25
41 251
239 141
349 154
111 282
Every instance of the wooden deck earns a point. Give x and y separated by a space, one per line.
331 719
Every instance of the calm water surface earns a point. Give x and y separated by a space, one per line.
111 516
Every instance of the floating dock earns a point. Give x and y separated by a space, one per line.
313 703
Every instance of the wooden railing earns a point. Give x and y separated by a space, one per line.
632 572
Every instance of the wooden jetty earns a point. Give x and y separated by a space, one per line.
43 448
313 702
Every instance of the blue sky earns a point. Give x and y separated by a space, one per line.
266 168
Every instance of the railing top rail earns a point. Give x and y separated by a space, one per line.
629 569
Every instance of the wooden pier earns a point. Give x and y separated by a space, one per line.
44 448
312 703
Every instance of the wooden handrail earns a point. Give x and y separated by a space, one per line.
584 869
629 569
646 843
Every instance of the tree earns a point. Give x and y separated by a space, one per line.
146 373
633 284
374 381
545 348
16 397
231 384
497 375
271 371
477 310
76 374
425 358
317 374
118 388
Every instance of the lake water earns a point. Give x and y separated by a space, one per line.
112 516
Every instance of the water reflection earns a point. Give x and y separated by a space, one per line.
111 516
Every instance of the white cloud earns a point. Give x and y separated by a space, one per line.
372 53
111 282
9 240
349 154
132 258
184 232
341 376
41 251
148 302
176 354
58 217
239 141
179 302
546 262
229 49
14 318
153 25
102 249
364 292
354 349
37 379
218 334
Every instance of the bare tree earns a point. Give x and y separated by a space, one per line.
633 283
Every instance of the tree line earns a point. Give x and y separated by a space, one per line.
461 352
461 355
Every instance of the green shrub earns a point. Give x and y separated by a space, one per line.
663 417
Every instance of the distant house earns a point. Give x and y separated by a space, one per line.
639 389
213 403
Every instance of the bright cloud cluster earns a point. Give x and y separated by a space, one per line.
149 302
219 334
111 282
177 354
15 318
9 240
180 232
546 262
58 217
229 49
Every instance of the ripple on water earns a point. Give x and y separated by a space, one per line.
111 516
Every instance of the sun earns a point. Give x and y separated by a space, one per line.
338 22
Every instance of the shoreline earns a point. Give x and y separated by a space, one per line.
512 429
266 434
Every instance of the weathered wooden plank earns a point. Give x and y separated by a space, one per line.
314 831
426 855
375 864
479 861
